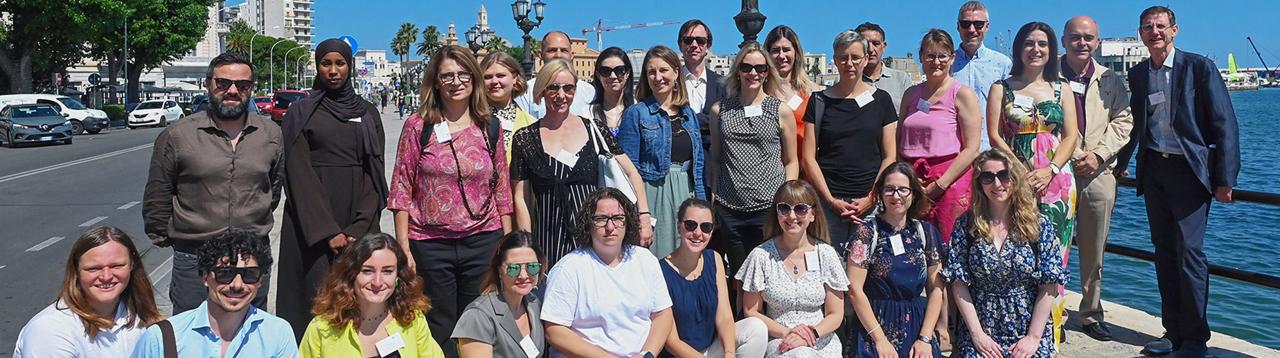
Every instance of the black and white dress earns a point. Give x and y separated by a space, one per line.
750 162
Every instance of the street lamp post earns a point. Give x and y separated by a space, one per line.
271 65
750 21
286 64
520 11
477 38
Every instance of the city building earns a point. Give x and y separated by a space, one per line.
719 64
290 19
1121 54
636 55
905 64
451 38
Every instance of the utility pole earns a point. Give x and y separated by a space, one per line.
126 60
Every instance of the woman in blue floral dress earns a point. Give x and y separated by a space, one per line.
1004 265
893 259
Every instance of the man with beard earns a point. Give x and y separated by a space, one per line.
233 267
212 171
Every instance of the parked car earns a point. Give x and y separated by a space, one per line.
280 103
82 118
198 104
263 104
154 113
34 123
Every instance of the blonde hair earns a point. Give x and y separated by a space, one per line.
1023 206
548 71
679 97
797 79
432 111
508 62
772 80
798 192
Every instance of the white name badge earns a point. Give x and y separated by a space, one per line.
811 261
390 345
567 158
896 242
442 132
356 119
923 106
530 349
508 125
753 111
1156 98
864 98
795 102
1077 87
1023 101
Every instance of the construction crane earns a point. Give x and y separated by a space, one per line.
600 29
1264 62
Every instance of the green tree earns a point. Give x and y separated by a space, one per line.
161 31
46 36
402 42
430 41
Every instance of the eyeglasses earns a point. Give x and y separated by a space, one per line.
601 220
936 57
800 209
224 84
747 68
986 178
1153 27
901 191
977 24
689 40
619 71
224 275
532 268
690 225
568 88
460 77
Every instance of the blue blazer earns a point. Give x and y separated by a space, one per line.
1203 120
645 135
715 92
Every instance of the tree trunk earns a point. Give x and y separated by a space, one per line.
18 72
135 72
25 81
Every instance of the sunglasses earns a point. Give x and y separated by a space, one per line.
690 225
901 191
986 178
224 84
977 24
619 71
601 220
224 275
532 268
800 209
568 88
689 40
747 68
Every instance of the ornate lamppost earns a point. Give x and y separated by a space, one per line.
477 38
750 21
520 11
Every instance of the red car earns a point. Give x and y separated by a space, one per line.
280 103
263 103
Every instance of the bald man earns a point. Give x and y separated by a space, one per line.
556 46
1104 123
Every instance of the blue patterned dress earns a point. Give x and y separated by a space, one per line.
1004 283
894 283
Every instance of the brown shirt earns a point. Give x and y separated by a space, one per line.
199 187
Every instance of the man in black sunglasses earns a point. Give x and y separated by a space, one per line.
211 170
976 65
703 87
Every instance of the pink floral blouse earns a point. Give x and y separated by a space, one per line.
446 187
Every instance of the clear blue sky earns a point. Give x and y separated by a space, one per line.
1212 28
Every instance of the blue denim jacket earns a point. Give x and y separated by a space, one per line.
645 134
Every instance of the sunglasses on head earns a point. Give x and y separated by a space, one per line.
689 40
977 24
800 209
249 275
224 84
986 178
747 68
532 268
690 225
619 71
569 88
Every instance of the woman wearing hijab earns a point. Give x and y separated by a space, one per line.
333 180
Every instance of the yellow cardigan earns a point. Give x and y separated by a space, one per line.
323 340
523 119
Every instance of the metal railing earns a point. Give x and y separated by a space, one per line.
1256 278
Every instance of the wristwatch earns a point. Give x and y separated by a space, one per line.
648 355
1054 168
925 339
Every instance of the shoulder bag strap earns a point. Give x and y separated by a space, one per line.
170 343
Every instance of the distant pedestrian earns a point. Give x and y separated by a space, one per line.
383 94
976 65
213 170
557 46
335 184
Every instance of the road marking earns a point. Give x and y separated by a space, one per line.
93 221
129 205
160 270
28 173
46 243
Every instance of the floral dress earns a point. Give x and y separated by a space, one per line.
895 283
1003 283
795 302
1034 134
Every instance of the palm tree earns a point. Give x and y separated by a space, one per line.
430 41
405 37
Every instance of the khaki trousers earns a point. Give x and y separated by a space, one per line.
1093 214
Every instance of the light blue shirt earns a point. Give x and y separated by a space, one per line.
1160 79
260 335
979 71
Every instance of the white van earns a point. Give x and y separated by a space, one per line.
82 118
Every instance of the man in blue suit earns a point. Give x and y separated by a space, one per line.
1188 153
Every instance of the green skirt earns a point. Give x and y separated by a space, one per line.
665 198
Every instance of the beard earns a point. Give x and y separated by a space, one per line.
219 110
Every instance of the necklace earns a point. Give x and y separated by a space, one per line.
377 318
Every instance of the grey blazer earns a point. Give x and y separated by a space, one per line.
488 319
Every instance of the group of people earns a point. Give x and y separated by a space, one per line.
872 218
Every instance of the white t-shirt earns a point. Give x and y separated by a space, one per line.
58 332
609 307
582 97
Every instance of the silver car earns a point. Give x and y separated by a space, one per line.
33 123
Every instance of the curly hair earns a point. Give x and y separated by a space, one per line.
584 227
1025 225
337 303
518 239
234 245
138 298
920 203
798 192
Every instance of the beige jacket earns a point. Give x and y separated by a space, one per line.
1107 117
